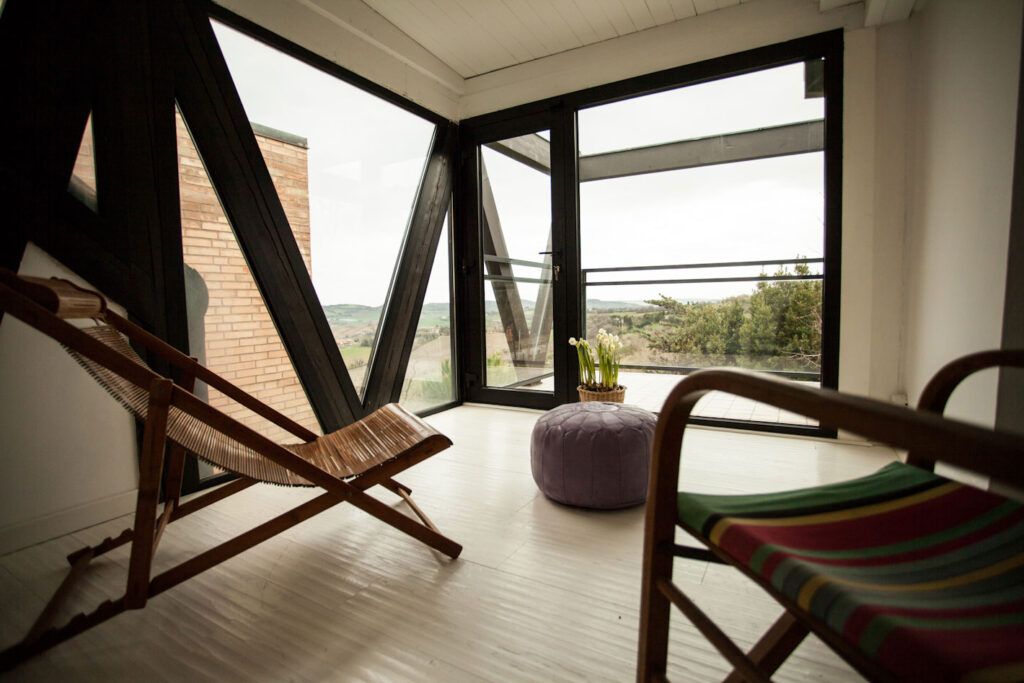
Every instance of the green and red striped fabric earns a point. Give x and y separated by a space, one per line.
925 576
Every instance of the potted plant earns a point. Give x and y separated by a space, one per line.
599 378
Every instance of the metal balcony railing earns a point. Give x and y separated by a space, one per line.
588 282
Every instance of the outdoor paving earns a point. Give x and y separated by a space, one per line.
649 390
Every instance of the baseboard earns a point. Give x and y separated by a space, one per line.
16 536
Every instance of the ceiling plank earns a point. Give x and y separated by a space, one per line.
594 16
661 11
683 9
410 18
878 12
482 50
493 19
572 18
617 15
639 14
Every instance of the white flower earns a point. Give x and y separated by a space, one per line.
572 341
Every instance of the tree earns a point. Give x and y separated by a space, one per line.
780 318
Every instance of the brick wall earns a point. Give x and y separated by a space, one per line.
83 176
242 343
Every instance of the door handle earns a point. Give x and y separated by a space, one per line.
555 268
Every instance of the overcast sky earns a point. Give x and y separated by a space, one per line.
366 157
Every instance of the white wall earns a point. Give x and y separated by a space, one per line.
963 103
67 449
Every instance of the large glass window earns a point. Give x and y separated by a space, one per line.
230 329
702 232
429 380
364 159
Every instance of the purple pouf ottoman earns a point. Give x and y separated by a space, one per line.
594 455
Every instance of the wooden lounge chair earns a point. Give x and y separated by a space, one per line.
906 575
344 463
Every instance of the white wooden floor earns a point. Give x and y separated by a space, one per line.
542 592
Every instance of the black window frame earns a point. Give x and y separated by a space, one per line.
560 113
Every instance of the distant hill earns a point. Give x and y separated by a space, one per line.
349 314
356 314
592 305
599 305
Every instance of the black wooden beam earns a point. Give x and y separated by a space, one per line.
530 149
832 285
64 228
764 143
51 52
47 48
397 333
223 136
748 145
568 301
136 159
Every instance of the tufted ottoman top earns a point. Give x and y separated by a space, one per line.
593 454
597 417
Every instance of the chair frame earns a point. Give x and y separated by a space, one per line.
928 438
21 299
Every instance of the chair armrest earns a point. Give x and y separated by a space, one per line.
981 450
940 387
938 390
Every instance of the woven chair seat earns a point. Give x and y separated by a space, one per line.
349 451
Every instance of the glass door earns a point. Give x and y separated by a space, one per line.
722 185
514 339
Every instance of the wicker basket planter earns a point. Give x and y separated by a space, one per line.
616 395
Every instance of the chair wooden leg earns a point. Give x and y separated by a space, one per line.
154 441
655 613
392 484
175 474
404 492
217 494
389 515
774 647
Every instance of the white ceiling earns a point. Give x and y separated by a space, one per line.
462 58
475 37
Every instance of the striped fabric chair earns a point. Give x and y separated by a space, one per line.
905 574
